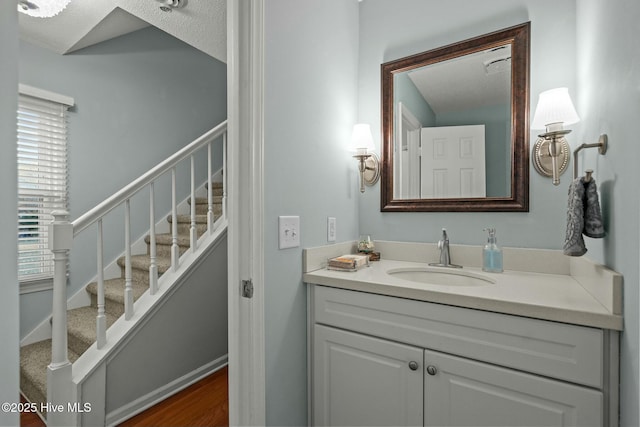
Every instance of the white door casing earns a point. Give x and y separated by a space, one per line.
407 155
453 162
245 83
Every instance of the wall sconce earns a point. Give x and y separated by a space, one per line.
368 161
551 151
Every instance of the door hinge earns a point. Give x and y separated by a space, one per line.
247 288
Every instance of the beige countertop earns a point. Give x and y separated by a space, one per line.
583 293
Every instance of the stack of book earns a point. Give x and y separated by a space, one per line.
348 262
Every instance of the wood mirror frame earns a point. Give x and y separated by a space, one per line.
518 37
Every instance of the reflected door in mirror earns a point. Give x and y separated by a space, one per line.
453 162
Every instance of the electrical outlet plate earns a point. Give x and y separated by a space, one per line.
331 229
288 232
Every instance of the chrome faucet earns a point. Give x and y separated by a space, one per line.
445 256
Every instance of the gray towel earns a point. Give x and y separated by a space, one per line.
593 226
583 216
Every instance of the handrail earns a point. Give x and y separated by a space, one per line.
131 189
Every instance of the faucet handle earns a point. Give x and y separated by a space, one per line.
444 234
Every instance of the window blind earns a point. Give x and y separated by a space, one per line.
42 181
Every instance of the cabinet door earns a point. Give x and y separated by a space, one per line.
463 392
359 380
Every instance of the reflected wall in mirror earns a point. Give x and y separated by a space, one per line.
455 126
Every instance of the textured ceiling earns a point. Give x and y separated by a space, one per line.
470 81
200 23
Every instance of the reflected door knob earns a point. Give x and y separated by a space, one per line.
432 370
413 365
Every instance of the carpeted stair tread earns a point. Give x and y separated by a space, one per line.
114 289
186 219
217 199
34 359
81 327
216 186
166 239
142 262
164 242
202 208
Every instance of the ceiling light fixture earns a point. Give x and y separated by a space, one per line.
169 5
42 8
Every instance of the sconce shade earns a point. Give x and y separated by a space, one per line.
42 8
554 106
361 138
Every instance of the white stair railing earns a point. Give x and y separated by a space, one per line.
62 232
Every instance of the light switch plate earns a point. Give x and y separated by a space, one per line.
288 232
331 229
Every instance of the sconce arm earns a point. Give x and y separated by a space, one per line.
368 162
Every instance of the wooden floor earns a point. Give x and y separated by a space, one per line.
204 404
30 419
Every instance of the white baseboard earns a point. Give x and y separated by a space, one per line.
145 402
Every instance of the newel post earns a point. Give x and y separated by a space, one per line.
59 371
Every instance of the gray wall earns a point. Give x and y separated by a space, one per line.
602 73
393 29
9 314
189 331
406 92
139 98
311 52
608 101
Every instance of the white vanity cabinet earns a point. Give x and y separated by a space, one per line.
362 380
379 360
463 392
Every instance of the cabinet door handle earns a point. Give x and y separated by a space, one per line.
413 365
432 370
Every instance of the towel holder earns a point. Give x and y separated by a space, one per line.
602 144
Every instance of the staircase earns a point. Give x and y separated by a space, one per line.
37 360
34 358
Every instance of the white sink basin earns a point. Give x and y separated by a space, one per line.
441 276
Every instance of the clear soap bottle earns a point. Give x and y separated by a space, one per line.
492 254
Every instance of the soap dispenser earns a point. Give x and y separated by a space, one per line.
492 254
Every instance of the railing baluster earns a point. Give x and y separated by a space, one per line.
128 289
175 249
224 175
153 266
209 189
194 230
101 319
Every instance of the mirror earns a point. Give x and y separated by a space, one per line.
455 126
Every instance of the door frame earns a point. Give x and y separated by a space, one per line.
405 115
245 109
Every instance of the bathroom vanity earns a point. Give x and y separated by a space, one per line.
401 343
